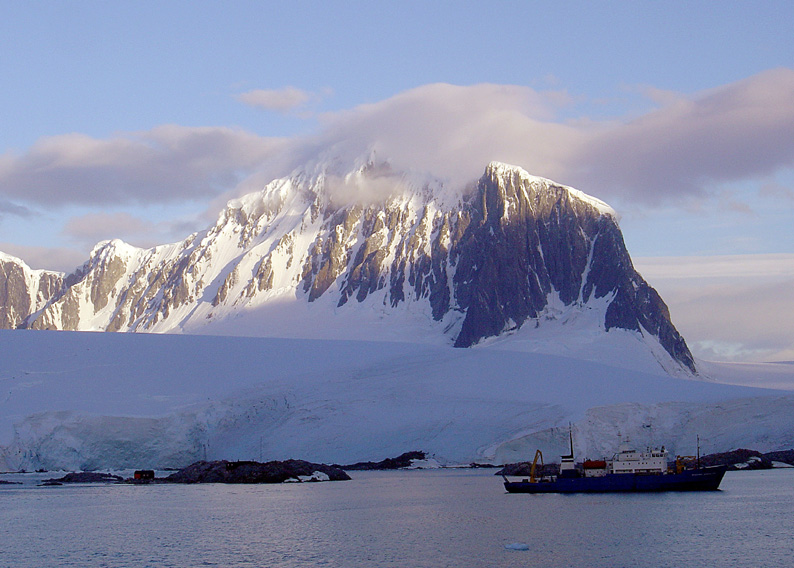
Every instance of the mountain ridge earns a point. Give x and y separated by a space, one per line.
477 261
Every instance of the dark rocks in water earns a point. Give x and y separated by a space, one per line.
86 477
400 462
255 472
738 459
4 482
784 456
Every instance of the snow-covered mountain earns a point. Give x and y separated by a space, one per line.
353 285
24 291
372 253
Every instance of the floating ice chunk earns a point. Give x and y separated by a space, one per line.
517 546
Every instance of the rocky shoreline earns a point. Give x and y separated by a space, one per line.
223 471
403 461
749 459
300 471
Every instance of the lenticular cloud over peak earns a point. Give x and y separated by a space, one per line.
452 131
726 134
730 133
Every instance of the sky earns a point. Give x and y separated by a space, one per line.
139 120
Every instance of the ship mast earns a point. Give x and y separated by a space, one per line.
567 466
698 454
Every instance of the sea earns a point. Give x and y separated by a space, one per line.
426 518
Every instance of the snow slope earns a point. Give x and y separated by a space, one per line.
91 400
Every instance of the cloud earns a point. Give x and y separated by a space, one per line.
687 150
774 190
59 259
10 208
733 132
760 268
86 230
166 164
729 307
279 100
454 131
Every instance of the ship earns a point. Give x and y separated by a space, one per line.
628 471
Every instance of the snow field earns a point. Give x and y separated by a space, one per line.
95 400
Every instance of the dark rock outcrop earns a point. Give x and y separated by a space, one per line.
254 472
86 477
529 239
400 462
737 459
23 291
783 456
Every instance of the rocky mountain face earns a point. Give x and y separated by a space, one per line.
24 291
478 262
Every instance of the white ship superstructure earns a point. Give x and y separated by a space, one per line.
634 461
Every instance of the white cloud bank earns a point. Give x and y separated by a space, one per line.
730 133
680 149
733 307
166 164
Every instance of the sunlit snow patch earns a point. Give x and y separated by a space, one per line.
429 463
316 476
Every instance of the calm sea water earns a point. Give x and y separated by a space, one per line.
459 518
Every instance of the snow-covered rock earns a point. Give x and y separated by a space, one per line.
23 290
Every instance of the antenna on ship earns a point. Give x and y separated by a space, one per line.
698 462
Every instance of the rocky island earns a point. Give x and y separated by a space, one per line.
85 477
255 472
403 461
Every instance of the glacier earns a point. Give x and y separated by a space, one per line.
82 400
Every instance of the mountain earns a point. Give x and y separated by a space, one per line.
24 291
342 254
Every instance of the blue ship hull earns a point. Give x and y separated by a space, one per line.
705 479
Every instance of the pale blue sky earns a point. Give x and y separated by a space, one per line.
653 96
102 67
